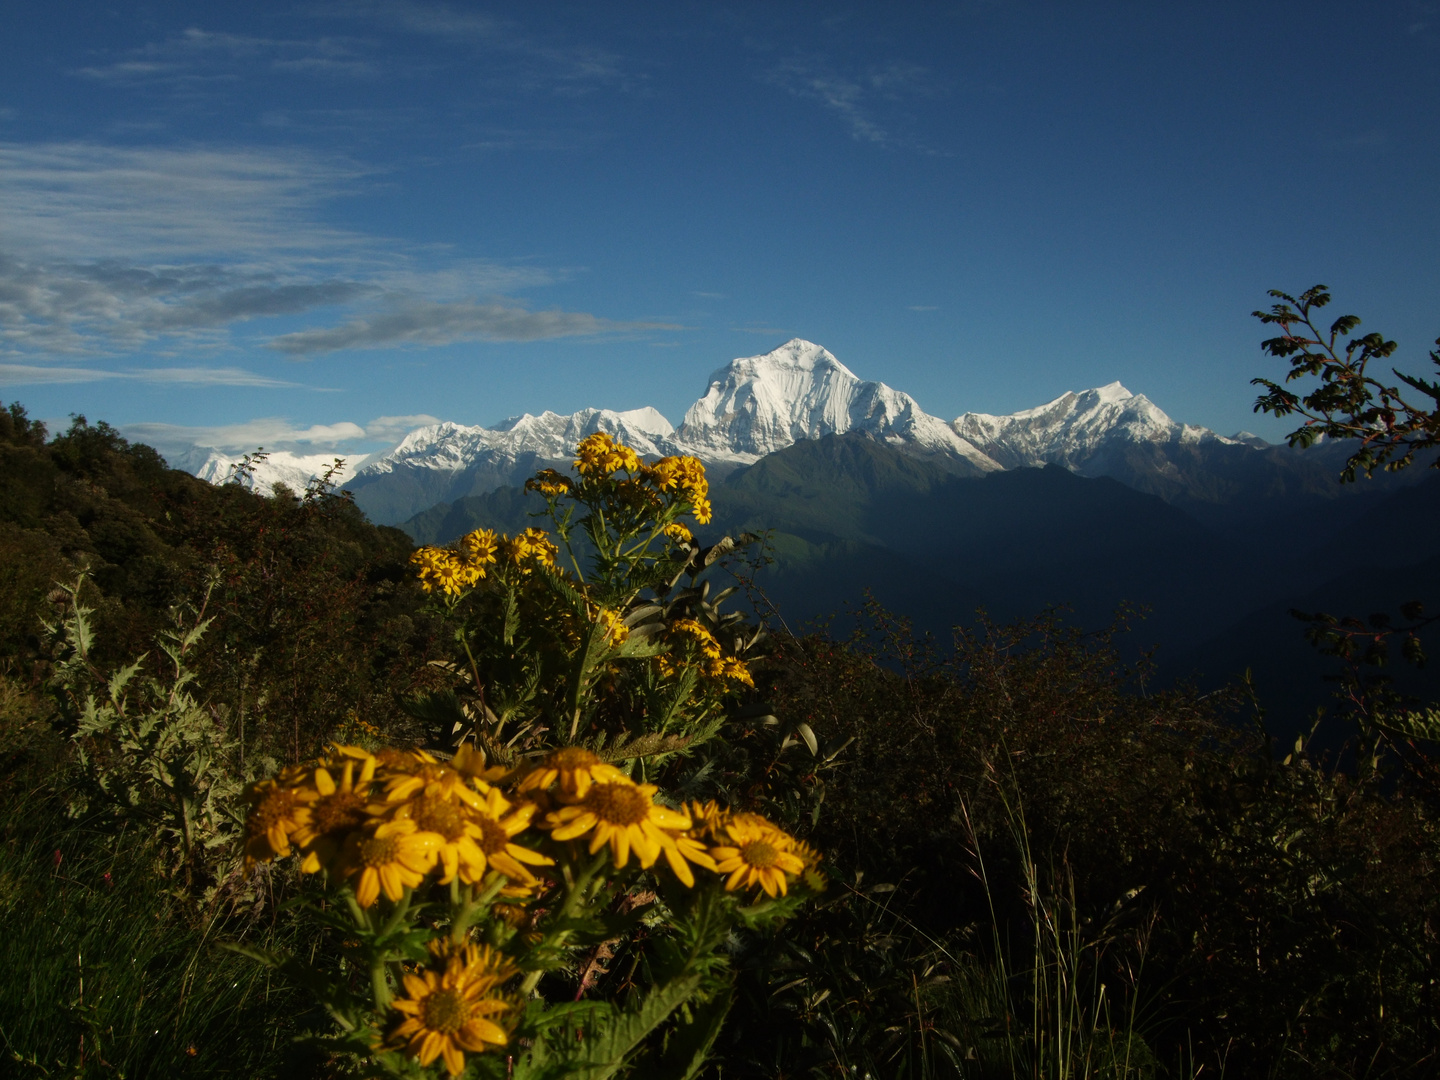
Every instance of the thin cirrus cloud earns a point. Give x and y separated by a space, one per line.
35 375
277 432
422 322
194 58
858 100
107 249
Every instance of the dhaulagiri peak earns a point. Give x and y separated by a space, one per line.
756 405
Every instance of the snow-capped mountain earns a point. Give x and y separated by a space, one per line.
294 471
756 405
443 462
1079 431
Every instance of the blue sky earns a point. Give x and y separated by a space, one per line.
313 225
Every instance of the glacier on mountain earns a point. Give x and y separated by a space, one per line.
1076 430
756 405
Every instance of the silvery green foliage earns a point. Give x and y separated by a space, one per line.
148 751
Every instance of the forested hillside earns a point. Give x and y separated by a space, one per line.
1007 853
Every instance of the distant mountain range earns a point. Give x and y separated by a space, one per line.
1091 500
758 405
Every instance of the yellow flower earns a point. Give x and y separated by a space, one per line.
479 547
395 856
679 533
624 815
736 669
457 834
759 853
499 821
698 635
277 811
702 510
470 761
531 544
455 1010
423 773
599 455
549 483
614 624
574 767
337 810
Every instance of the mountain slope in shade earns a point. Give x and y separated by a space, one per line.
756 405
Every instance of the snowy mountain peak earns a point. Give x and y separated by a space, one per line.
1073 429
756 405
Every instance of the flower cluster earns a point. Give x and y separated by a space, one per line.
685 475
385 821
525 550
599 457
549 483
691 636
389 821
752 851
452 570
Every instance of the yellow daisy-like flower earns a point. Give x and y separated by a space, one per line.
702 510
614 624
277 811
759 853
339 808
531 544
480 548
455 1010
394 856
678 532
736 669
599 455
624 815
574 767
549 483
433 777
498 822
456 849
699 635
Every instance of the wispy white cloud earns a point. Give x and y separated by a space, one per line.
394 428
195 57
34 375
857 100
107 249
416 321
768 330
277 433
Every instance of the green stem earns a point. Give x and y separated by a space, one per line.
575 891
465 912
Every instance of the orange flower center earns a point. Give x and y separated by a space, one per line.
379 850
493 836
617 804
437 815
760 854
445 1011
273 809
338 812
